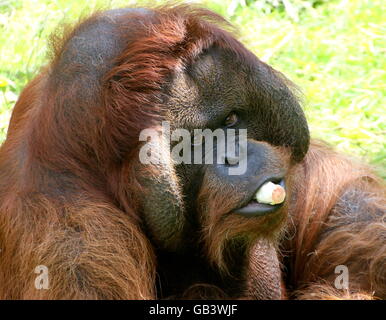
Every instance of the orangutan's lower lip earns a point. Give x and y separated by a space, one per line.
255 209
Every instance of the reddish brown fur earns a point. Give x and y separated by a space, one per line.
71 204
338 219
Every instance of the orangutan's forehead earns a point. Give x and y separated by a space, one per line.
206 90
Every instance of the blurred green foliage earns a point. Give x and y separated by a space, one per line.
334 50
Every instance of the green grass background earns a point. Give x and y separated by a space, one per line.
336 52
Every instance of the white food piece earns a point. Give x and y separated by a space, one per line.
270 193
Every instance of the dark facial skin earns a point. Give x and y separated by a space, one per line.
206 93
203 96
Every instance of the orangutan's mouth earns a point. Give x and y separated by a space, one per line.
255 209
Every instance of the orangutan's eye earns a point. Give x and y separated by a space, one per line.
231 120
